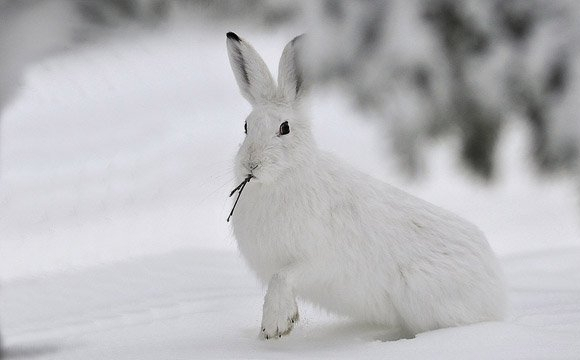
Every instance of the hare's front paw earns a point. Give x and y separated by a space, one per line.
278 321
280 312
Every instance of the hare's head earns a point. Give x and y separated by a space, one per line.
277 139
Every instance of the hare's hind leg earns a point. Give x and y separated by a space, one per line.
435 304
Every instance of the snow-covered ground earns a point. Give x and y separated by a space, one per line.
115 168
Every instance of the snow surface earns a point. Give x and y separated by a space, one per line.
115 169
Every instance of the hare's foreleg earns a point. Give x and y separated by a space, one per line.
280 311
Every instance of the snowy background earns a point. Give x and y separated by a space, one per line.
115 166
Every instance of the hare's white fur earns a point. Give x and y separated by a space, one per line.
312 227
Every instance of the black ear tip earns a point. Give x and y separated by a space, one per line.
233 36
298 38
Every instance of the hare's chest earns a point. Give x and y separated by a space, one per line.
264 254
270 235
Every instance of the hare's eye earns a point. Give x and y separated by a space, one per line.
246 127
284 128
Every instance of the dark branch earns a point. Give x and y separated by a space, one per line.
239 188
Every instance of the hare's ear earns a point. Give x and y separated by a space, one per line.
291 84
252 74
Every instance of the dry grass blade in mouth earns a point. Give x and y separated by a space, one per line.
238 188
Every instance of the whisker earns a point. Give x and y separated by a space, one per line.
220 187
217 176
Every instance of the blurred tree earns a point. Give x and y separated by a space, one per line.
33 29
111 12
457 67
260 12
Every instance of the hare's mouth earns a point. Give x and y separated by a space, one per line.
239 189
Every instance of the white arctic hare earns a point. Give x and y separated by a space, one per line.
313 227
